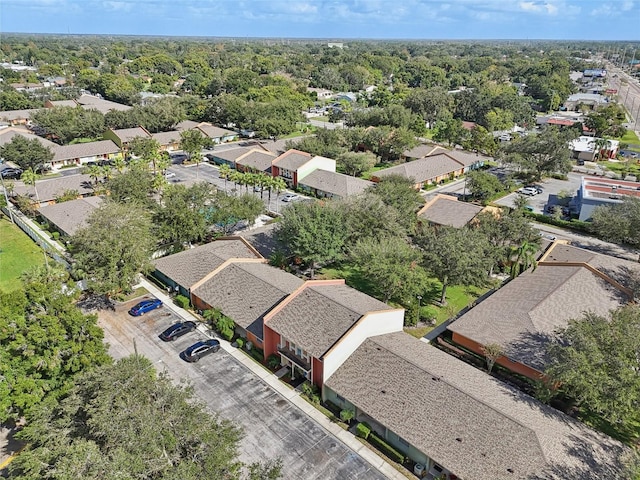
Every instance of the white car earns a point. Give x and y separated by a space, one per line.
289 197
168 175
530 191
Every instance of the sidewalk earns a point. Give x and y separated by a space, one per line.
290 394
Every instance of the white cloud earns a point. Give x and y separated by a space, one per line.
539 7
626 6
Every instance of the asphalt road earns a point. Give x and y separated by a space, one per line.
273 426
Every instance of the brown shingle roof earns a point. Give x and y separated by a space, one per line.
447 210
50 188
89 102
212 131
232 154
246 291
186 125
423 169
523 315
257 160
319 314
188 267
167 138
82 150
128 134
420 151
70 216
11 115
467 421
7 134
337 184
292 160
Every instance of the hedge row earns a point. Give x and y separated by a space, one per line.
570 224
385 448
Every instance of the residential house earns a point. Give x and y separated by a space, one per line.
245 290
169 141
460 423
68 217
293 165
60 103
469 161
216 134
82 153
256 160
447 210
123 136
595 192
327 184
419 151
49 189
229 157
17 117
588 148
433 169
7 135
524 315
181 271
593 100
89 102
320 324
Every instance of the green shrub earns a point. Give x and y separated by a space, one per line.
182 301
227 334
240 342
385 448
273 361
571 224
55 235
363 430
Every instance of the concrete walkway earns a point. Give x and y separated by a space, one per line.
290 394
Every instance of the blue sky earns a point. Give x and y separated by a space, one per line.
388 19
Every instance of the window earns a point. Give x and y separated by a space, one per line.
299 351
340 397
403 441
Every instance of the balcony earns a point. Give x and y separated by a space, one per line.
291 355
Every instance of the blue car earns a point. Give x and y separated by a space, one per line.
145 306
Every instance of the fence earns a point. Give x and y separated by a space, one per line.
36 235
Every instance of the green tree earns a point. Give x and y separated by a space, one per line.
125 420
392 266
228 211
523 258
133 186
541 154
449 130
455 256
483 185
29 177
26 153
114 247
192 142
314 232
147 149
356 163
367 216
619 222
492 352
432 104
45 341
595 360
398 192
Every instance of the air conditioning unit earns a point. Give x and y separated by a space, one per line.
419 470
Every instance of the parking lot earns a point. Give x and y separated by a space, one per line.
273 426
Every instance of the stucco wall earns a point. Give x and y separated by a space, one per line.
316 163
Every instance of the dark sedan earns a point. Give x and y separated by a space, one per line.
11 173
145 306
201 349
177 330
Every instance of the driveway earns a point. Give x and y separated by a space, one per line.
273 426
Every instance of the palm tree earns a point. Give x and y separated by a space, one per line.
94 172
119 163
522 258
29 177
224 173
279 185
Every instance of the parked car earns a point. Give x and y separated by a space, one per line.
201 349
289 197
178 158
537 188
144 307
528 191
11 173
177 330
168 175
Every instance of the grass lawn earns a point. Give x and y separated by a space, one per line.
18 253
632 167
320 119
629 137
457 297
629 434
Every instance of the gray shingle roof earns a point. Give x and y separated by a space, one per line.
11 115
82 150
420 151
467 421
70 216
465 158
337 184
50 188
7 134
232 155
167 138
212 131
523 315
188 267
320 314
186 125
128 134
445 210
423 169
64 103
292 160
92 102
245 292
258 160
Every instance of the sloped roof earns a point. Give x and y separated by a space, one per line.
423 169
212 131
81 150
467 421
447 210
320 313
257 159
7 134
524 315
337 184
246 291
465 158
186 125
167 138
10 115
292 159
128 134
90 101
70 216
189 267
420 151
50 188
232 154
